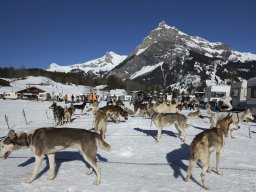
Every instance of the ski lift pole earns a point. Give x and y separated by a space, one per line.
24 114
6 120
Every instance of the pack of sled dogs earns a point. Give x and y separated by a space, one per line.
62 115
48 141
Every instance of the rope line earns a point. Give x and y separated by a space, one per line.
175 162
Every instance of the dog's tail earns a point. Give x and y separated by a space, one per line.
102 144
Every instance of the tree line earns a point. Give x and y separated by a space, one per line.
79 79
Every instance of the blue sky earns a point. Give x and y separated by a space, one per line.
35 33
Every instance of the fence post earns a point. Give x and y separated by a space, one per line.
6 120
24 114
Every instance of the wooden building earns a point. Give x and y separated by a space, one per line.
30 93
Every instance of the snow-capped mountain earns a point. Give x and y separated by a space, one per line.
96 66
171 58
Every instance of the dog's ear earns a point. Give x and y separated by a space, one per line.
230 117
11 134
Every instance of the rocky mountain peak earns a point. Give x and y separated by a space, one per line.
169 57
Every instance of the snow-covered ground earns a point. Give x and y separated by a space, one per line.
136 162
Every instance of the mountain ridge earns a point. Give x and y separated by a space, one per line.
187 62
96 66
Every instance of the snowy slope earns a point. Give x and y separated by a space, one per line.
45 84
103 64
136 162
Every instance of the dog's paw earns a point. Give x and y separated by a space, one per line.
220 173
29 180
96 182
89 172
206 187
51 177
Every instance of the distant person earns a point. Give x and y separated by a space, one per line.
66 98
225 103
72 98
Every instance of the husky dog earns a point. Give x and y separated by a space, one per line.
164 108
114 112
164 119
67 115
195 113
80 106
101 123
68 112
204 144
47 141
58 113
139 105
236 117
71 109
93 107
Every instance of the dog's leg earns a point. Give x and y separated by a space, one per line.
92 162
218 163
38 162
209 170
192 164
159 133
182 134
118 118
203 173
236 127
104 130
51 158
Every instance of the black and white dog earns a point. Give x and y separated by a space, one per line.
47 141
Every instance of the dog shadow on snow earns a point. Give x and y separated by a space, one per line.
153 133
61 157
175 159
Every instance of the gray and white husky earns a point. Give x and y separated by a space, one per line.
47 141
164 119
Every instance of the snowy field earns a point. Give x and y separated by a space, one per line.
136 162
